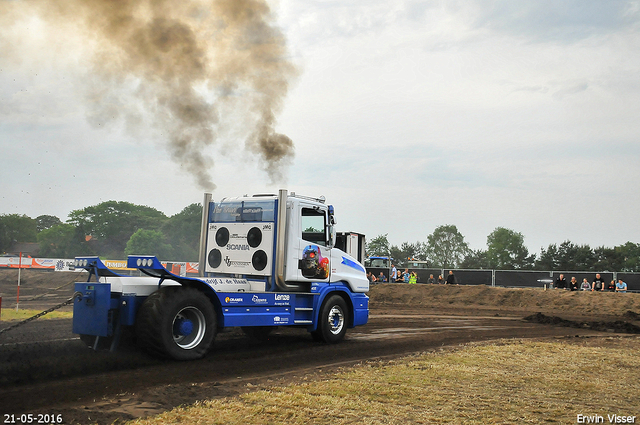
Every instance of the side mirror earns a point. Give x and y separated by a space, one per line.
332 230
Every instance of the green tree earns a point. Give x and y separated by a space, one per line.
630 255
506 250
112 223
475 259
574 257
608 259
446 246
405 252
548 259
378 246
149 242
60 241
182 231
44 222
16 228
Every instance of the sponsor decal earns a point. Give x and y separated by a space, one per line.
238 247
283 297
213 281
257 300
229 300
280 320
232 263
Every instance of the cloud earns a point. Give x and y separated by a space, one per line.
549 20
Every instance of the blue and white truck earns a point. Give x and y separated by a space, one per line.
265 261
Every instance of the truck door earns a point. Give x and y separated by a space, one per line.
313 252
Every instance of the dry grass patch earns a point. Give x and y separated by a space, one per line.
516 381
10 314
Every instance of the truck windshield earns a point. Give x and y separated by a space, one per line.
243 211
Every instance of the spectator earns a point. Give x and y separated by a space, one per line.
369 277
440 280
585 286
561 282
382 278
598 283
413 278
431 280
611 287
621 286
451 279
406 276
394 274
573 284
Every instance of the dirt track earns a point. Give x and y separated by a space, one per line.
44 368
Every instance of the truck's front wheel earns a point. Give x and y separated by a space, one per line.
176 322
332 322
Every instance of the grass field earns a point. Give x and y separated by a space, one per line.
10 314
505 382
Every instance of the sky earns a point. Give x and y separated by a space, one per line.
405 115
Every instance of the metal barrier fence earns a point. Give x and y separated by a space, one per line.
519 278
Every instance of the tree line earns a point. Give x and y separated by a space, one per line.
446 248
116 229
110 229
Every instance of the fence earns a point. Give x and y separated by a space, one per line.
520 278
66 265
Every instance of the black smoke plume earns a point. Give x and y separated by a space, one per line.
189 68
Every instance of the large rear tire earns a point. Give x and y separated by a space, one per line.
332 322
176 322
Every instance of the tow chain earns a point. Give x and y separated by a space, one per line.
69 301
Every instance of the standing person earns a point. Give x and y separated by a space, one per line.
621 286
394 274
413 278
451 279
440 280
561 282
585 286
598 283
431 280
573 284
406 276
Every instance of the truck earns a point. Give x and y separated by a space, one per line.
266 260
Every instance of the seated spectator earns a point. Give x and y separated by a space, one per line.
621 286
611 287
561 282
440 280
369 277
585 286
573 284
431 280
382 278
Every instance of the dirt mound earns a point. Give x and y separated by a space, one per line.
508 299
620 326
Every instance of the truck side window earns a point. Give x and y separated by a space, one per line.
313 225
